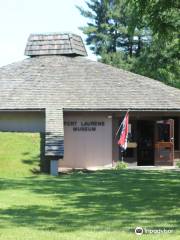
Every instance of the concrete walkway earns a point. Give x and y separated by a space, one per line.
154 168
64 170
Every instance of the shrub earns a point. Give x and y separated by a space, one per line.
178 163
121 165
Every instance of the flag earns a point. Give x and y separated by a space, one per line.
124 132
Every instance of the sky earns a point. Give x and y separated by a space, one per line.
19 18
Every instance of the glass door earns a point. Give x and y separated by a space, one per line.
164 142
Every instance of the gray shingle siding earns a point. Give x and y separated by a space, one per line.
54 132
55 44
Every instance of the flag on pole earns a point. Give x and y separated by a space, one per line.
122 142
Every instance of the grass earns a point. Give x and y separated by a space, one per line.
19 154
96 205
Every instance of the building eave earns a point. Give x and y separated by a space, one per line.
120 110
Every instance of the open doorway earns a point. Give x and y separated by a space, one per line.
145 150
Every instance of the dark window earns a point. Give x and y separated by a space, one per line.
163 132
176 134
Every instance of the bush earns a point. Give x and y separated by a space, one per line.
178 163
121 165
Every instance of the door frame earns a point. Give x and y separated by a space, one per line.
164 149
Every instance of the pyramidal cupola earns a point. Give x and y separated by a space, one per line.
55 44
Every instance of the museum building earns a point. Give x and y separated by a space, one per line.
77 105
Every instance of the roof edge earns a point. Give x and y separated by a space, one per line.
121 109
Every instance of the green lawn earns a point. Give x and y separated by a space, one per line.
19 154
96 205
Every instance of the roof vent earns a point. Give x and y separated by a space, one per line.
55 44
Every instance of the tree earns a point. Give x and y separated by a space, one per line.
162 16
137 35
114 26
160 60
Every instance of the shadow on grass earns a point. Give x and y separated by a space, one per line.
103 199
33 162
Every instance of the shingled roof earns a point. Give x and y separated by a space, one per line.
56 82
55 44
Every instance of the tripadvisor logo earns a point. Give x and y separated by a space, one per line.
138 230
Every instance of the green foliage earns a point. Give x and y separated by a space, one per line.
113 25
121 165
141 36
118 59
160 61
162 16
178 163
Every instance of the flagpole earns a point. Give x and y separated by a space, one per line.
118 129
122 157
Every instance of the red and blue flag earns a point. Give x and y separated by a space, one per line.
122 142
